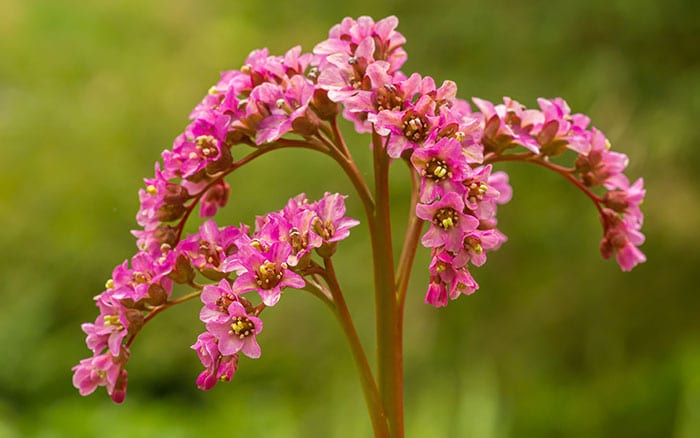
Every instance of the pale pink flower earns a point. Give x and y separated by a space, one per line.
103 370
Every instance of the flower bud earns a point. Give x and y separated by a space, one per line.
182 273
157 295
325 108
136 320
170 212
223 162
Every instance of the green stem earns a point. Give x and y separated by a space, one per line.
369 386
389 329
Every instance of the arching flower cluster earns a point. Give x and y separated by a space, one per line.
273 257
292 101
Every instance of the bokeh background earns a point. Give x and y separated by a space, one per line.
557 342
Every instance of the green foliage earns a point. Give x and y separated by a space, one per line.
556 342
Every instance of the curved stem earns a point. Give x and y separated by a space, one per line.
353 173
369 386
389 329
279 144
529 157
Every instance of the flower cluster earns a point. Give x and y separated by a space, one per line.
293 101
273 257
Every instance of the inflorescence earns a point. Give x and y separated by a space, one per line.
292 100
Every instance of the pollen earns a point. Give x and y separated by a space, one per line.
151 189
474 244
109 284
415 128
207 145
268 275
446 218
436 170
242 327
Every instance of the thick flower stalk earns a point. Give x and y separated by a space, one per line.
293 101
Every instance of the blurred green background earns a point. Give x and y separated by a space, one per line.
557 342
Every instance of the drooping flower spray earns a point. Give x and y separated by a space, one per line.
293 101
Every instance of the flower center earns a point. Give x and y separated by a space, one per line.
473 243
242 327
224 301
210 253
268 275
436 170
415 128
388 99
324 229
446 218
207 145
476 191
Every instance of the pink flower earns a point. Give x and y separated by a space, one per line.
448 223
600 166
507 125
447 279
266 271
622 237
217 366
408 128
214 198
626 199
147 270
208 248
110 328
332 224
102 370
237 332
442 167
477 244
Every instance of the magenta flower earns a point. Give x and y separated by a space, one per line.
447 279
208 248
508 125
102 370
237 332
217 367
476 244
110 328
147 270
627 199
442 166
344 59
622 237
448 223
217 299
600 166
266 272
408 128
332 224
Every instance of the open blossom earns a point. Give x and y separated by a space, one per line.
266 271
442 166
103 370
448 222
237 331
